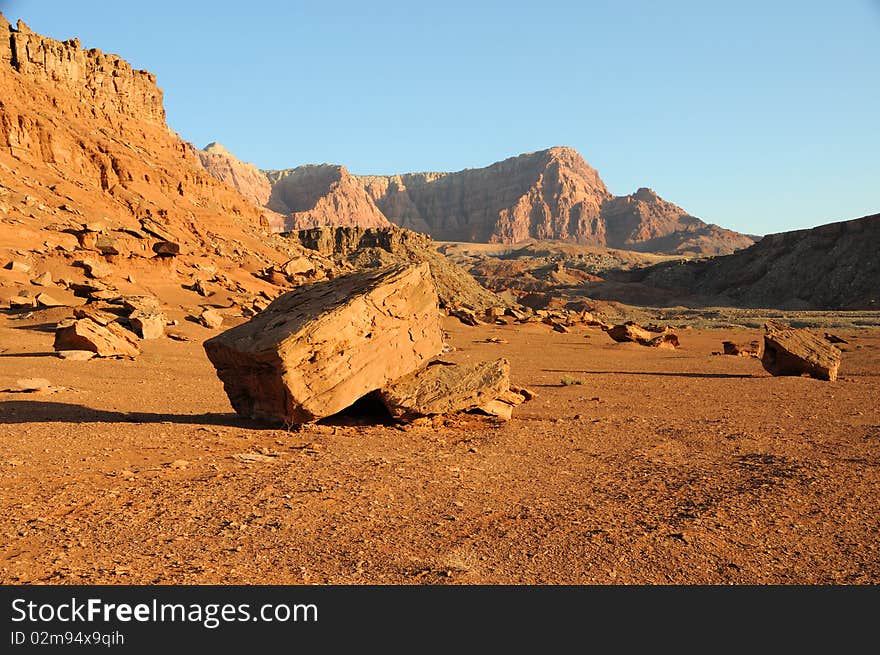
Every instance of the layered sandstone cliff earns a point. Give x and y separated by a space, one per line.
90 172
105 82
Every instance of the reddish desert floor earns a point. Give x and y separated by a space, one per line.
658 467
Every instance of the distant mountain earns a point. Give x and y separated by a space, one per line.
245 178
315 196
644 222
834 266
551 194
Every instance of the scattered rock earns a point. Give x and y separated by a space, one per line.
21 302
147 326
111 340
555 324
166 248
107 246
145 304
445 389
200 287
630 331
99 316
210 319
150 226
75 355
751 349
45 300
497 408
93 268
254 457
177 336
528 394
516 314
18 267
466 316
32 384
319 348
179 464
43 280
792 351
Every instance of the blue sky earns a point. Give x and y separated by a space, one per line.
759 116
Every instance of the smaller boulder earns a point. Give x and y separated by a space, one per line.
210 319
146 325
111 340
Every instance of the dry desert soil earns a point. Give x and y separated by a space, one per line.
650 467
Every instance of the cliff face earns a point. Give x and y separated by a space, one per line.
314 196
107 83
83 141
833 266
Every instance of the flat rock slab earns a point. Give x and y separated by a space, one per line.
792 351
447 388
111 340
316 350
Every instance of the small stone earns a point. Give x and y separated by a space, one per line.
45 300
20 302
179 464
210 319
147 326
33 384
18 267
166 248
94 269
75 355
99 316
43 280
111 340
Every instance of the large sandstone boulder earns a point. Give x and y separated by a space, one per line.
316 350
447 388
790 351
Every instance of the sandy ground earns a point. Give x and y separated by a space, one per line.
661 467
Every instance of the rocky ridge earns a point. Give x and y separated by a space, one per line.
833 266
313 196
551 194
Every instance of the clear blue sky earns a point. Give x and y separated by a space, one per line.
761 116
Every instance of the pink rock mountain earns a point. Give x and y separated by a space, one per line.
551 194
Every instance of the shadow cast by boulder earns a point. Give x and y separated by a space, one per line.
366 411
41 411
